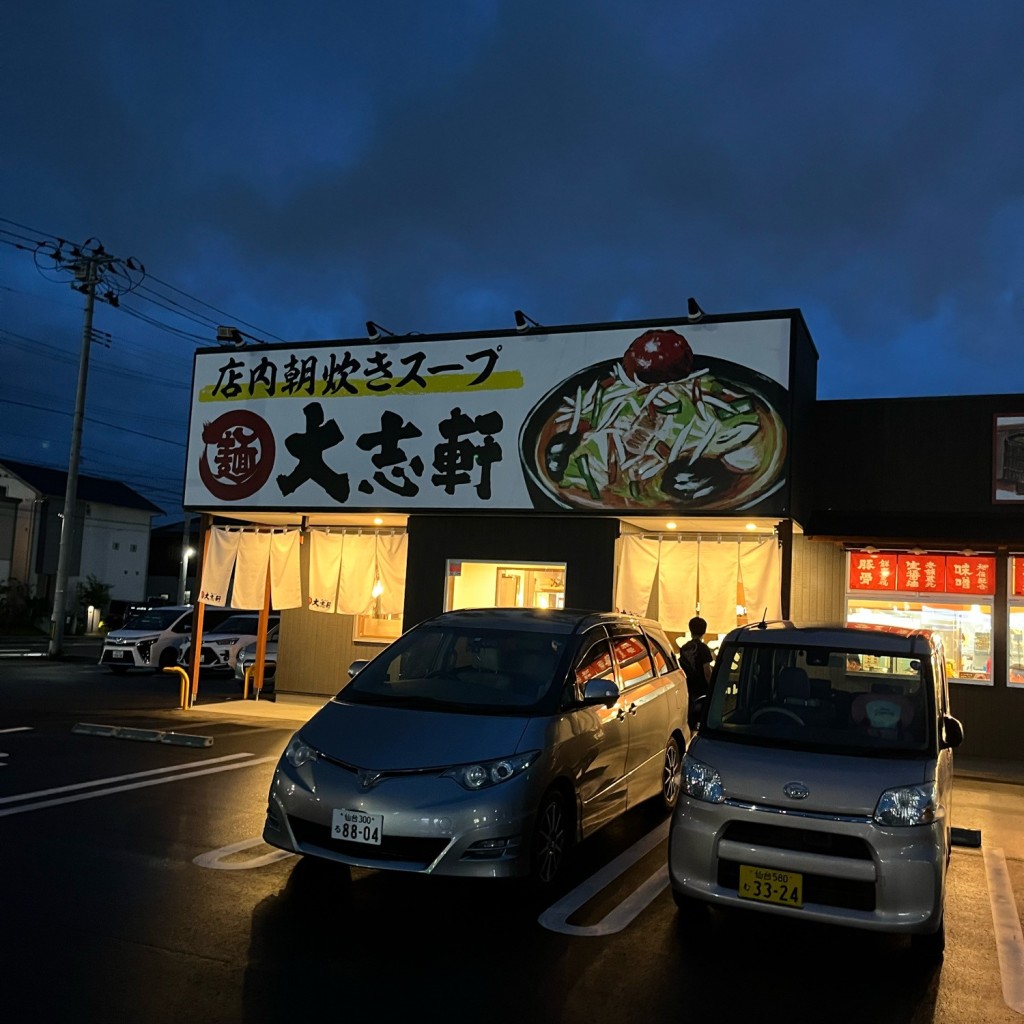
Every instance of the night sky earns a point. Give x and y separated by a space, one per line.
297 170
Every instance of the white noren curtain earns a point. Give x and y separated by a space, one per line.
218 564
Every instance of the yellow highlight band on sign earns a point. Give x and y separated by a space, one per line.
503 380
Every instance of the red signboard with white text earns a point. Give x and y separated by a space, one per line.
928 572
1018 577
922 572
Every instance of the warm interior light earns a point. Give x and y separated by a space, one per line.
670 526
378 589
751 526
377 521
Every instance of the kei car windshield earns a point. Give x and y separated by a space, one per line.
856 701
463 669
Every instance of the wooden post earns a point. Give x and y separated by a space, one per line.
261 639
205 525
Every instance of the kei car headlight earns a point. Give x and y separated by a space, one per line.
482 774
907 805
298 752
701 781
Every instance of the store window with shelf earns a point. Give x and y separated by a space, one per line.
477 584
947 593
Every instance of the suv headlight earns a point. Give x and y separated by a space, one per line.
908 805
701 781
490 773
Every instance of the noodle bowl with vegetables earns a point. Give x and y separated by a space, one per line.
693 432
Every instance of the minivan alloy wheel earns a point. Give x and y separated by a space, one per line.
550 840
672 773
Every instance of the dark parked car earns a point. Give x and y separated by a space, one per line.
247 655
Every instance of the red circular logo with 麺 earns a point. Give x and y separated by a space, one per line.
238 455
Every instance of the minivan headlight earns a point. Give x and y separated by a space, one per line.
701 781
483 774
907 805
298 752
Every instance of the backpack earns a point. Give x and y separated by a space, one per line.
695 681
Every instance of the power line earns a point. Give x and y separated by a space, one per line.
32 345
93 419
215 309
32 238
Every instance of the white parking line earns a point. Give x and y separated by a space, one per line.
134 785
1006 920
215 858
18 728
555 918
119 778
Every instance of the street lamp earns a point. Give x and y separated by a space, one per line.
186 554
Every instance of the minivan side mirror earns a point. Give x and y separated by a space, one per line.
952 731
600 691
357 666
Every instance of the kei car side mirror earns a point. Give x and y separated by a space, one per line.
952 731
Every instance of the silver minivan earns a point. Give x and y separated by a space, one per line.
484 743
819 783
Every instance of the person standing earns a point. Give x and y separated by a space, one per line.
696 657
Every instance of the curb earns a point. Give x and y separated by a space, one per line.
118 732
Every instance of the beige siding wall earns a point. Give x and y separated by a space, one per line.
315 649
818 594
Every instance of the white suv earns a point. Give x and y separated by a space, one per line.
819 784
149 640
221 644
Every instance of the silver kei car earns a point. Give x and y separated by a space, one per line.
819 784
485 743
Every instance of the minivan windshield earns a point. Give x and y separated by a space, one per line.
859 701
156 619
462 668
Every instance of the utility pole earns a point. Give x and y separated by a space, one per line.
92 268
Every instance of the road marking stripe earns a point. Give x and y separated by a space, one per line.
556 916
119 778
215 858
18 728
1006 920
136 785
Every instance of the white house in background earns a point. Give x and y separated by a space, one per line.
111 537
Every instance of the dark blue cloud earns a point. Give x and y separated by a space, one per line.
434 167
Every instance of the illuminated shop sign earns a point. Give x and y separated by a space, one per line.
929 572
676 418
1018 577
